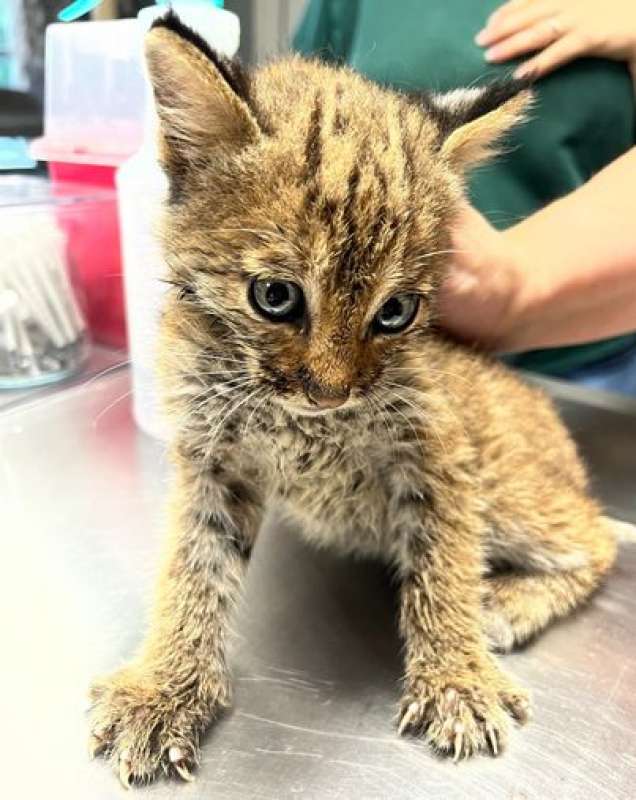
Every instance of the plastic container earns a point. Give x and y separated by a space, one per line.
141 188
43 334
94 93
96 245
93 121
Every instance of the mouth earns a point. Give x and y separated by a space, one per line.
309 411
306 410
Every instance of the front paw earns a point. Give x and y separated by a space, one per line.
144 724
463 714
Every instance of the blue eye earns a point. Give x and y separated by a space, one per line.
396 314
277 300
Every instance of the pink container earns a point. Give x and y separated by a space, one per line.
95 242
47 231
93 122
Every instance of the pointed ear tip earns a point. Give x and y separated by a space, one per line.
524 101
519 103
168 22
527 94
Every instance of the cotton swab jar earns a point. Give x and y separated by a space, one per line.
42 329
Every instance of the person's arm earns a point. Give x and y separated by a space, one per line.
565 275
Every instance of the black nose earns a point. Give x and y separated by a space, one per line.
326 396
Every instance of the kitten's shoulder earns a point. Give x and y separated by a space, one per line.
471 375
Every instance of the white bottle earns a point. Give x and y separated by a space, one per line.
141 190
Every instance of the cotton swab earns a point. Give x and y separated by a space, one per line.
42 332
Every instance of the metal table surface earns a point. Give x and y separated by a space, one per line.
316 656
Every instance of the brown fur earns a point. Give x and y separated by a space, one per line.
437 459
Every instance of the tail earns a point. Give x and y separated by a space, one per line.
625 532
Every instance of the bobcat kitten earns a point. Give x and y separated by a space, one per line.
307 229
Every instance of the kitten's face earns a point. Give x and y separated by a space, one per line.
308 224
317 279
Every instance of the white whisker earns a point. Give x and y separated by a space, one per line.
110 406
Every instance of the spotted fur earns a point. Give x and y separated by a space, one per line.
436 459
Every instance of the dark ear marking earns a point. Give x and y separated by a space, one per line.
497 93
471 120
457 107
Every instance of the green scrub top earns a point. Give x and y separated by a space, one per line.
584 117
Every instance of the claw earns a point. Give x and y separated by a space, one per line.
524 710
175 754
408 717
125 772
177 758
184 772
520 709
95 745
492 738
459 741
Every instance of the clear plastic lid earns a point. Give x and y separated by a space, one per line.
94 92
96 95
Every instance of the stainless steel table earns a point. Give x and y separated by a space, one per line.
316 658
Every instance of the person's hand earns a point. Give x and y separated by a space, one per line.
558 31
564 275
479 301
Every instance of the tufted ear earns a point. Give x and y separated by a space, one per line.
471 121
202 99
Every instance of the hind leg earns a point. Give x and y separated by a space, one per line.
520 604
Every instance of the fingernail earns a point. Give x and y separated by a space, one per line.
491 55
521 72
482 37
